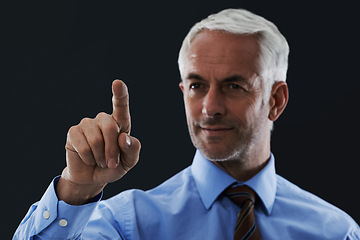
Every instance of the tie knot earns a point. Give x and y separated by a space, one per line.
244 197
240 194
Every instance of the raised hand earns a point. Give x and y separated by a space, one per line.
99 151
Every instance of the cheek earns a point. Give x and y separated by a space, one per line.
192 109
245 111
257 116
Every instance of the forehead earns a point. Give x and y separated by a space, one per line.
225 51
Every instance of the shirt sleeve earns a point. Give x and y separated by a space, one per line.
53 219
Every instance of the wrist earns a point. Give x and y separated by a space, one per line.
76 194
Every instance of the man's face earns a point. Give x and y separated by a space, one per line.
226 115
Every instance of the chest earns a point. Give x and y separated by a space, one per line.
192 221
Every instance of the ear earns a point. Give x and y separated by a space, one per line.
181 85
278 100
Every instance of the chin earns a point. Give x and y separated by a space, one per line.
219 155
217 149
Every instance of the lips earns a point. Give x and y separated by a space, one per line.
215 130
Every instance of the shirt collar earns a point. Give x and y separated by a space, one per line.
211 181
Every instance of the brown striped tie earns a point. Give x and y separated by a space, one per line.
245 227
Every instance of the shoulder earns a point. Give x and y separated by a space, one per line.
287 190
307 207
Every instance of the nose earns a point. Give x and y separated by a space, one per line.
214 103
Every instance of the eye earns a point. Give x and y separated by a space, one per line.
195 85
235 86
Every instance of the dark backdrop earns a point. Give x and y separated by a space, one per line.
58 60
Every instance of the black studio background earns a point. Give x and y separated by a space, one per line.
58 60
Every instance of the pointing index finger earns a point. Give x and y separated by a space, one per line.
120 100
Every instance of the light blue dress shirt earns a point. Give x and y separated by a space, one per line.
190 205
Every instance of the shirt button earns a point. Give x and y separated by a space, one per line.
63 223
46 214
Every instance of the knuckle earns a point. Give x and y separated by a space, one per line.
122 101
138 147
137 150
106 123
101 115
86 121
83 150
72 130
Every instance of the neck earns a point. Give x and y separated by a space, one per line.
246 166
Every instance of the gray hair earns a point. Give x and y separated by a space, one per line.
273 59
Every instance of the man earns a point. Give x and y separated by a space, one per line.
233 66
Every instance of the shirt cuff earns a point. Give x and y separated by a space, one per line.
60 220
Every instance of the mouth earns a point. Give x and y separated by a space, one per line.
216 130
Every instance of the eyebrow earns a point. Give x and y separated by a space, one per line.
232 78
235 78
195 76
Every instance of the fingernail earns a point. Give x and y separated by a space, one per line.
128 140
112 163
103 165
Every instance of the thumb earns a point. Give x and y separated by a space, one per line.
130 150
